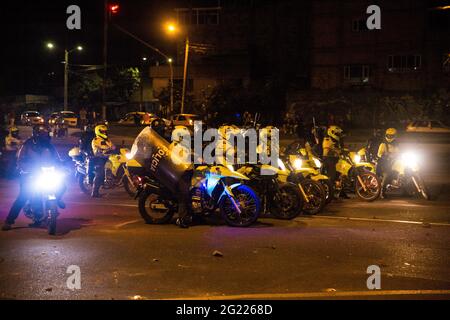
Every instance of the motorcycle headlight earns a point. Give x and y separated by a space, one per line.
357 158
297 163
281 164
49 179
129 156
317 162
410 159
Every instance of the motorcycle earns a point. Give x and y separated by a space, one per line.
120 170
359 178
43 207
407 175
280 198
305 163
212 187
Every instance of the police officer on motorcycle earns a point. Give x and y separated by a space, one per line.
85 145
35 151
386 152
101 149
331 147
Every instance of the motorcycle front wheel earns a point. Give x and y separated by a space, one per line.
316 197
248 203
53 215
129 186
372 186
288 203
154 210
421 187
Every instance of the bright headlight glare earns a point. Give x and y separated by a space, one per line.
357 158
410 159
281 164
230 167
297 164
129 156
48 180
317 162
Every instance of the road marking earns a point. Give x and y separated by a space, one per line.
120 225
312 295
441 224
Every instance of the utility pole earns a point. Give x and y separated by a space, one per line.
66 78
105 57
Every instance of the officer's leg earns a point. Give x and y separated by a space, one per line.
91 169
99 176
24 195
184 212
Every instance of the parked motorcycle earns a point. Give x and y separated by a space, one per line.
280 198
407 175
119 171
212 187
305 163
359 178
43 207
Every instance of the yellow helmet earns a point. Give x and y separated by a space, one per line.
335 132
391 134
101 131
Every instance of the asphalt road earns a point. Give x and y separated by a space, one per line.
324 256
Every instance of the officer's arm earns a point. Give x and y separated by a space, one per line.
381 150
326 147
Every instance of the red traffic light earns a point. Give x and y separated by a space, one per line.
114 8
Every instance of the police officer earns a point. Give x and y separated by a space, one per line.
85 144
386 153
35 151
331 147
12 140
101 149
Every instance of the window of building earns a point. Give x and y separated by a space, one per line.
359 25
198 16
357 73
399 63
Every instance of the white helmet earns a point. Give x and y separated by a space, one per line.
179 133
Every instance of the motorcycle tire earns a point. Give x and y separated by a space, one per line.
363 195
52 224
316 197
250 213
327 186
289 204
129 186
150 216
423 192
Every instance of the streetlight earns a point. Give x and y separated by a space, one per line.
66 70
172 28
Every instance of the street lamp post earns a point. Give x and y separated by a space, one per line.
66 71
171 85
186 59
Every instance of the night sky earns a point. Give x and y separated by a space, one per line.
28 25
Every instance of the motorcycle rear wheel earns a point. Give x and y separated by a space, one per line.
148 210
249 204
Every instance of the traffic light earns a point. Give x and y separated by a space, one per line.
113 8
